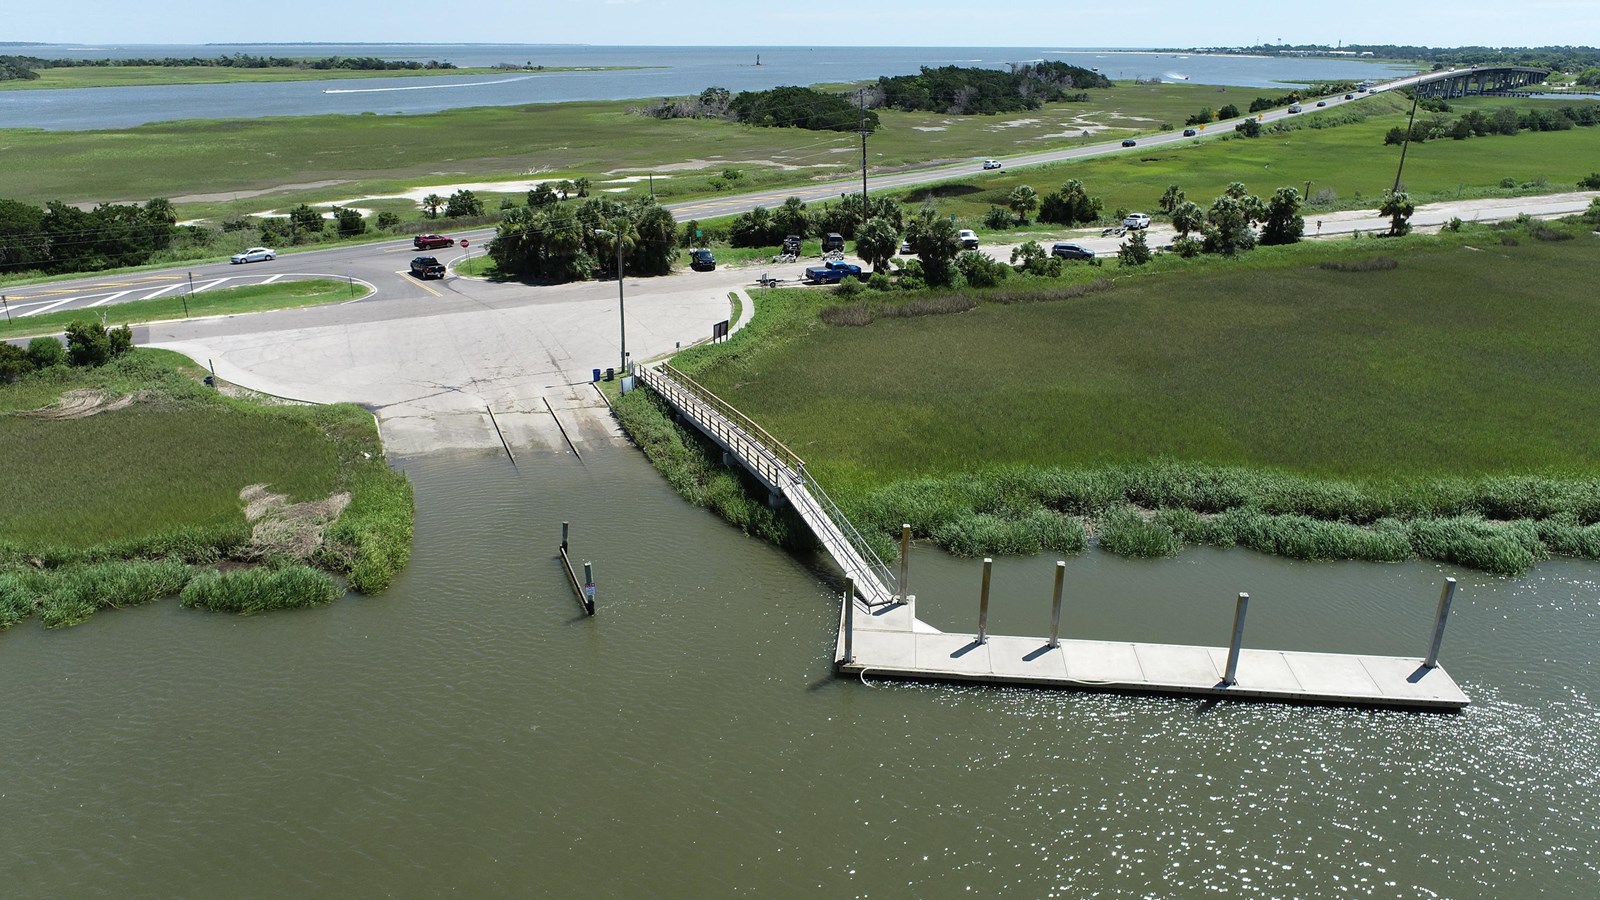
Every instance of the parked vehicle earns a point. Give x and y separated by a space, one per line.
702 261
1071 251
969 239
832 241
255 254
991 164
905 248
1130 142
832 272
1295 108
1136 220
426 267
1189 132
791 245
432 241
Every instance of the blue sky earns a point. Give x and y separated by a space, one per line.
982 23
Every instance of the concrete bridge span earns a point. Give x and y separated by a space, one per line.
1480 80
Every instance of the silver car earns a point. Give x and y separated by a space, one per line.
255 254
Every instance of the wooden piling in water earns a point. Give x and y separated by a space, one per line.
1230 675
584 590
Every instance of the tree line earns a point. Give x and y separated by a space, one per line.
1504 121
25 67
59 238
965 90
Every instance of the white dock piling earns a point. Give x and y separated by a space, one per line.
983 603
1440 618
905 562
1055 605
1230 676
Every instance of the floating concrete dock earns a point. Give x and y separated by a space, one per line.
890 642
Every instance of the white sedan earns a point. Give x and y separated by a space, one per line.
255 254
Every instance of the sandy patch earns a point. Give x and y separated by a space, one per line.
236 195
929 128
1013 123
80 403
274 214
632 179
280 527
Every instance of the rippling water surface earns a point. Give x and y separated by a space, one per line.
467 731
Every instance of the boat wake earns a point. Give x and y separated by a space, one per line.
422 87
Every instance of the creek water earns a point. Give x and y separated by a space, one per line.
469 732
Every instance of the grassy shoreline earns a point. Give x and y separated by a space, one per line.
135 502
1413 412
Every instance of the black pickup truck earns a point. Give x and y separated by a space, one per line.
427 267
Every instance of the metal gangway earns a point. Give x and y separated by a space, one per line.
781 471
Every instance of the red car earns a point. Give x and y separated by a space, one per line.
432 241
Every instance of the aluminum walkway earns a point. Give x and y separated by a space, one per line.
781 471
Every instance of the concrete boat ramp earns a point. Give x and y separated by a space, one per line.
890 642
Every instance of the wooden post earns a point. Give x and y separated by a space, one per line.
1439 620
588 588
983 603
849 620
563 535
1230 678
1055 605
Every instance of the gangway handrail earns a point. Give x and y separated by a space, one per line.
783 468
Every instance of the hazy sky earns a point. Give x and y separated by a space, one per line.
980 23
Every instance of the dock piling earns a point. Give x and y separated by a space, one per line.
983 603
1230 677
905 561
1055 605
1440 618
584 590
849 620
563 535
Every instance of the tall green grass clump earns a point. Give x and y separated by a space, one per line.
69 596
371 540
1125 532
256 590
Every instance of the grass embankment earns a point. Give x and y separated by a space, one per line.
216 302
1440 408
129 504
136 76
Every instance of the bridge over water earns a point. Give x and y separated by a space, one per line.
1480 80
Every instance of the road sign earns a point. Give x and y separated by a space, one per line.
464 243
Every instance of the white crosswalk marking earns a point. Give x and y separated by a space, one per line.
48 306
170 287
210 284
272 279
110 297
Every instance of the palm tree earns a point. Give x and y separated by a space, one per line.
432 203
582 185
1023 200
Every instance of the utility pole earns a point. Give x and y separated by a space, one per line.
862 97
1416 94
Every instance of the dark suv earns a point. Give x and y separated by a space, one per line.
1071 251
832 241
702 260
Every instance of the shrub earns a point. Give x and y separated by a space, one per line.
45 352
88 345
1590 182
1546 233
997 218
1508 182
388 220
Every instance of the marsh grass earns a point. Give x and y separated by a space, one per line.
1427 409
256 590
154 487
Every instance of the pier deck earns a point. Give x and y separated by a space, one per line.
893 643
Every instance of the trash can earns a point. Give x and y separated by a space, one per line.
611 373
596 374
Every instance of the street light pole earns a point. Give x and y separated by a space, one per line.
622 314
